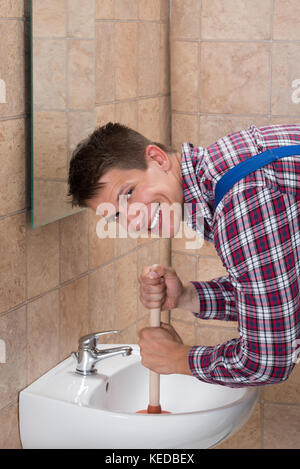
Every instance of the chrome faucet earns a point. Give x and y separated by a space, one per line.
88 355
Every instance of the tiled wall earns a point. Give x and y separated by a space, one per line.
233 64
60 281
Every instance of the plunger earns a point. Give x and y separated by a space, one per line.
154 378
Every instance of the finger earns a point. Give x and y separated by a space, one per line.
152 304
153 288
146 279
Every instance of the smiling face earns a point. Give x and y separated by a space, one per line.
149 195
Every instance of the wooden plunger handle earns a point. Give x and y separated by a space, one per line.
154 378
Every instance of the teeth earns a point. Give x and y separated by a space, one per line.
155 218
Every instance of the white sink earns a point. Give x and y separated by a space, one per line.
65 410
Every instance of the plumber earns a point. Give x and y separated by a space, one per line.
247 188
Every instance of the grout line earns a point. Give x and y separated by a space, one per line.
271 61
199 71
242 41
11 18
8 118
13 214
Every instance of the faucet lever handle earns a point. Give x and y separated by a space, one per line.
91 340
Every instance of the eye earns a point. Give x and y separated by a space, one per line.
129 193
115 217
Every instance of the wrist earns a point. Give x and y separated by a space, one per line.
183 366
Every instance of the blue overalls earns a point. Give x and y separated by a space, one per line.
246 167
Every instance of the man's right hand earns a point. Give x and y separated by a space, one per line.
160 287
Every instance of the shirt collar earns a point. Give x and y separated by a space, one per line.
196 205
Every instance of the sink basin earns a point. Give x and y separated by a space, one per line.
65 410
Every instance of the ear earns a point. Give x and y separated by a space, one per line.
155 155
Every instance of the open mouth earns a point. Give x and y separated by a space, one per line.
155 219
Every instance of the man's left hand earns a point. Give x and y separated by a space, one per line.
163 351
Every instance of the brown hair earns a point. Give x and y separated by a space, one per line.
110 146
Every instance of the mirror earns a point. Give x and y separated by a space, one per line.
62 99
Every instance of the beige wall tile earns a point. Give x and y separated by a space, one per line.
81 17
42 259
13 373
104 114
104 9
281 427
236 19
208 249
81 80
186 331
184 76
126 292
214 127
165 120
149 10
12 67
222 90
81 124
50 154
9 422
74 245
50 201
287 391
43 334
183 23
184 129
215 335
105 62
210 268
164 10
126 9
12 175
127 113
149 53
12 261
126 72
284 120
286 20
50 90
122 246
185 267
49 19
249 436
149 118
128 336
101 300
74 315
12 9
164 64
101 251
285 70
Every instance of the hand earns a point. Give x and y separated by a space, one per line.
162 350
160 287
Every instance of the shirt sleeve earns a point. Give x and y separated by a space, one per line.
257 237
216 299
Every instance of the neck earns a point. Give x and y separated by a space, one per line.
176 166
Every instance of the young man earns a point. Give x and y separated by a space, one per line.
255 229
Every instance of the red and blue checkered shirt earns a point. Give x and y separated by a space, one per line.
256 233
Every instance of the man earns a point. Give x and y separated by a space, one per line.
255 229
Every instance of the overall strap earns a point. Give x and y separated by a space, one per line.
246 167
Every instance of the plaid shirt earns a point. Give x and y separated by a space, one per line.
256 232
